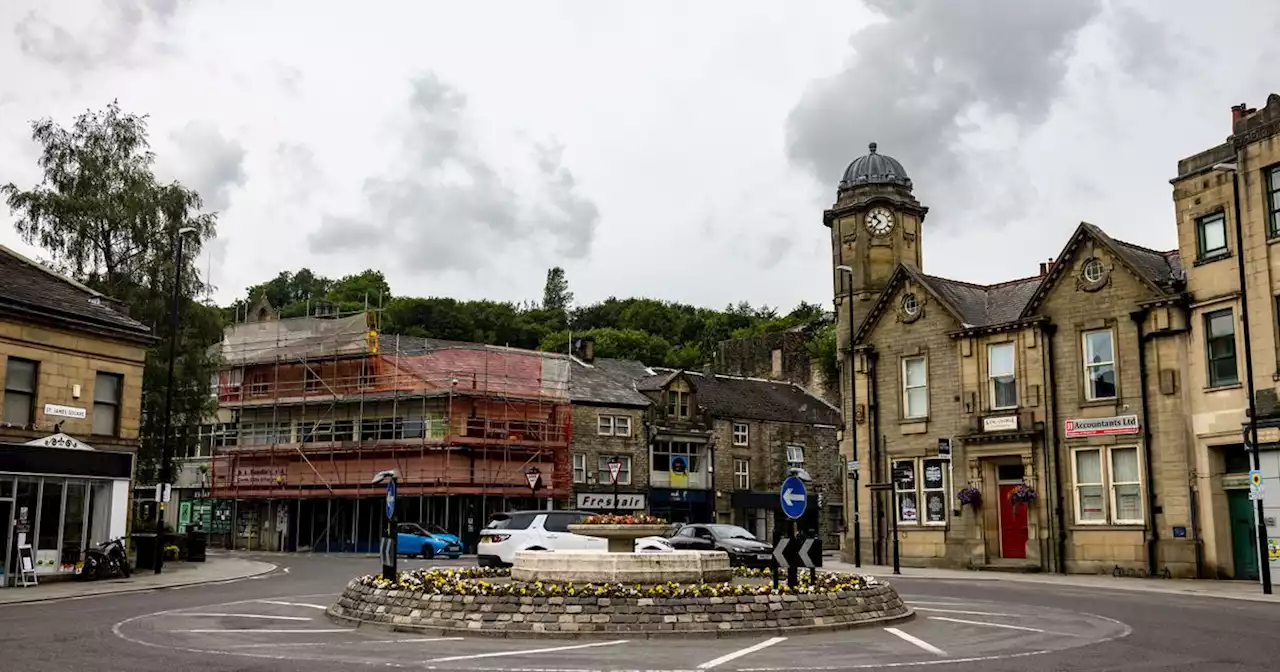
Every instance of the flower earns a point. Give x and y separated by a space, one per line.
1023 494
629 519
970 495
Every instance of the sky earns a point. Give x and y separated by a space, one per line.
676 150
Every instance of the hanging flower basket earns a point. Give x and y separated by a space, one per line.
970 496
1023 494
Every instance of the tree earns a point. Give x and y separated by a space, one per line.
556 294
105 220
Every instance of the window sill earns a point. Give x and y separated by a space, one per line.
1209 260
1092 403
1223 388
1106 527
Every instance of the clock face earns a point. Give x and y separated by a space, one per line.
879 221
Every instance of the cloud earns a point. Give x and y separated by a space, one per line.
449 206
927 78
107 38
209 162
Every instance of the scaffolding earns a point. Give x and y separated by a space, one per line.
311 407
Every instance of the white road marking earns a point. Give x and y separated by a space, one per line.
527 652
1000 625
915 640
962 611
262 616
740 652
366 641
321 607
270 632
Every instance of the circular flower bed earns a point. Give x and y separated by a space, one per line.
472 581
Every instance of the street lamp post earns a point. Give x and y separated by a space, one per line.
852 423
1264 564
166 446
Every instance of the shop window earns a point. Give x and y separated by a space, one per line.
107 388
50 516
904 486
20 391
1108 485
922 493
73 527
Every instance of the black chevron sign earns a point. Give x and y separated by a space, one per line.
798 552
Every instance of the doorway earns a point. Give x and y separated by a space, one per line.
1013 518
1244 535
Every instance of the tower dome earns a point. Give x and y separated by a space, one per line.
874 168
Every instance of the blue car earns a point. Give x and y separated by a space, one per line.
412 539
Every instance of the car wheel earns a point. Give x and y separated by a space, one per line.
428 552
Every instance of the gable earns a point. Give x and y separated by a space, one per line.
1123 264
889 305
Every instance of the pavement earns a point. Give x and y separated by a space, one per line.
1234 590
275 621
217 568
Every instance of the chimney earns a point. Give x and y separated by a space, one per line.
587 349
1239 112
1045 267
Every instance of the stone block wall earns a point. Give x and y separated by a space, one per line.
586 616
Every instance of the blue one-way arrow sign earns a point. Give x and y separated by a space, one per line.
794 497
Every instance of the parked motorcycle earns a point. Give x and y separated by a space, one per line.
108 560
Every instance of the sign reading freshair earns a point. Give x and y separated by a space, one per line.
1120 424
595 502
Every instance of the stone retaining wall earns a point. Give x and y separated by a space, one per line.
575 617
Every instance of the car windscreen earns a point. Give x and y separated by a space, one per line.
511 521
731 532
412 528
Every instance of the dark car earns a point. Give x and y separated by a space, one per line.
743 548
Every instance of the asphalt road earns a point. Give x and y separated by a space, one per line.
276 623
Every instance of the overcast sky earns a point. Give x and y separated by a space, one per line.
677 150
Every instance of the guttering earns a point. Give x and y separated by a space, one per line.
1139 318
1059 518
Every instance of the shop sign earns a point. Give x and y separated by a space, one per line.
595 502
1000 423
1120 424
65 411
259 475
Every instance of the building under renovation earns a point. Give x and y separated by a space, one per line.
311 408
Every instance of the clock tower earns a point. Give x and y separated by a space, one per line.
875 225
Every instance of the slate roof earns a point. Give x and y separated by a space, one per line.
28 287
751 398
983 305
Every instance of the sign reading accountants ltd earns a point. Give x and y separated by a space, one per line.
1120 424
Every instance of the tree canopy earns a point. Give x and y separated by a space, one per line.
659 333
104 219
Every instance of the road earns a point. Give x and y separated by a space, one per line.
276 623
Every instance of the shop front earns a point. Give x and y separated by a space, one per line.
59 496
682 506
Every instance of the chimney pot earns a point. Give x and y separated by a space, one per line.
1044 269
1238 112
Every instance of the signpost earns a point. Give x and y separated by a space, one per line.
388 551
793 549
615 469
532 476
853 469
795 497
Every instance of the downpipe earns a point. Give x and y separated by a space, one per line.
1059 528
1139 318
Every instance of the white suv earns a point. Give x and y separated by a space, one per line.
510 533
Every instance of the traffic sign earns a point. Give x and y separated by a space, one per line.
1255 478
792 552
853 466
794 497
615 468
391 498
532 477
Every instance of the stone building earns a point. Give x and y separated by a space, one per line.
778 355
1064 388
71 366
1246 166
720 447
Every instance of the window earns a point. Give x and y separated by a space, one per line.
579 468
740 433
1004 388
1211 236
742 474
1093 270
106 403
602 470
679 464
1220 347
20 391
604 425
910 305
904 486
795 455
1099 365
621 425
915 390
930 488
1098 470
1273 201
677 403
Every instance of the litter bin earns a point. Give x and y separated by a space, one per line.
197 542
144 547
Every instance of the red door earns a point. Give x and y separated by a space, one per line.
1013 525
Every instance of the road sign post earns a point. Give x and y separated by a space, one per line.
794 497
533 475
854 468
389 550
615 469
